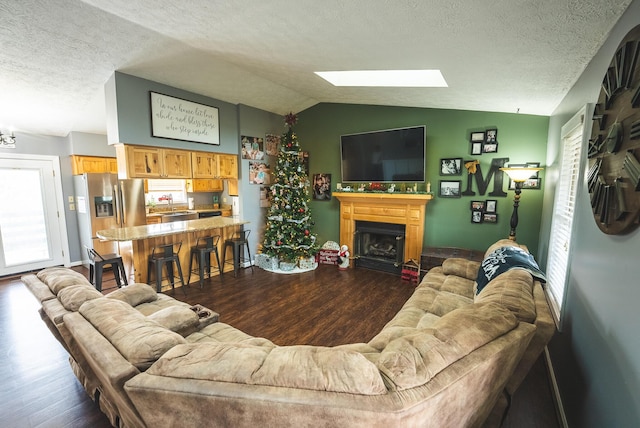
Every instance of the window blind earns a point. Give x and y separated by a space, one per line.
559 253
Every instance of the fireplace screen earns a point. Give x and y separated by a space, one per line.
379 246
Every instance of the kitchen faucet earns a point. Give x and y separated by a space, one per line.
169 199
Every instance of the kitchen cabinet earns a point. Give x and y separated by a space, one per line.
205 185
93 164
227 166
204 165
157 162
154 162
232 187
154 219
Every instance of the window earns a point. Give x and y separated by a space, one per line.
559 254
157 189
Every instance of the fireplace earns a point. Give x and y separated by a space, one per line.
405 209
379 246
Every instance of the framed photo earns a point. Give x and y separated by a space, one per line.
533 182
259 173
179 119
252 147
304 158
533 165
490 218
491 136
491 206
477 205
476 216
477 137
450 188
476 148
271 144
451 166
490 147
321 187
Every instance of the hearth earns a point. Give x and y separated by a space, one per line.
379 246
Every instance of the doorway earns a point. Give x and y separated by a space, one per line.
32 220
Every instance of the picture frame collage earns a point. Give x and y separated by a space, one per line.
484 211
484 141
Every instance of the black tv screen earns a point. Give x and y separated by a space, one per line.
391 155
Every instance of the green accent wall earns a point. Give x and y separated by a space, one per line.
521 138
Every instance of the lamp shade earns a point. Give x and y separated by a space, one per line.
520 174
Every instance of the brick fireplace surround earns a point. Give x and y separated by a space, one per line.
406 208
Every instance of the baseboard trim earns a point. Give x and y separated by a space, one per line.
562 417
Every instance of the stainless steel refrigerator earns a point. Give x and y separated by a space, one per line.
105 202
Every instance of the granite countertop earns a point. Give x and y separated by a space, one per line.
135 233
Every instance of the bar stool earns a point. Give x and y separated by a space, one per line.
239 240
165 255
201 252
97 264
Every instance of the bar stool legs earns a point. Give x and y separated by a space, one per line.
165 255
238 242
97 262
201 252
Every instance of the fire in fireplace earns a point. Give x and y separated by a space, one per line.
379 246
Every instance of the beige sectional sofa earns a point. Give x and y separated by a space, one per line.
448 358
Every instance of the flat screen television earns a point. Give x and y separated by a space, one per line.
390 156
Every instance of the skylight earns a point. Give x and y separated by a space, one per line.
385 78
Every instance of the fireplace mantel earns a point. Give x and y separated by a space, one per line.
398 208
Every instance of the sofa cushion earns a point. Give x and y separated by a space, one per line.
180 319
461 267
221 332
74 296
134 294
414 359
423 308
514 290
58 278
504 259
140 340
304 367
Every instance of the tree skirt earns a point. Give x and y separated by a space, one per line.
294 270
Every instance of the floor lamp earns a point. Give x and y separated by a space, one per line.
518 175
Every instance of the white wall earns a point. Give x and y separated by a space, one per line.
595 356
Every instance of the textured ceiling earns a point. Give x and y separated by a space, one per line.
496 55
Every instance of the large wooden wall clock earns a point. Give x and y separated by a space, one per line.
614 148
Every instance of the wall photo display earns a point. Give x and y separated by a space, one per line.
321 187
484 141
450 188
259 173
451 166
252 147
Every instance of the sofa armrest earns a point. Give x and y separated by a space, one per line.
545 329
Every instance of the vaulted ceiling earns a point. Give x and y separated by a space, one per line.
496 55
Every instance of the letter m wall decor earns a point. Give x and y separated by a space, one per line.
482 183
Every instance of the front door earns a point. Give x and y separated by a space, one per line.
31 222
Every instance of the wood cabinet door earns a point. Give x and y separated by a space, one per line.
204 165
112 165
177 164
144 162
205 185
227 166
92 164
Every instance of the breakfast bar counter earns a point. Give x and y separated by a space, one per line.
145 238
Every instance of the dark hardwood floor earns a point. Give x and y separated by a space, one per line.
325 307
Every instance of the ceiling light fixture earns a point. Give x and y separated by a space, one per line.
385 78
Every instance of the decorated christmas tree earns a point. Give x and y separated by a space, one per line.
288 234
